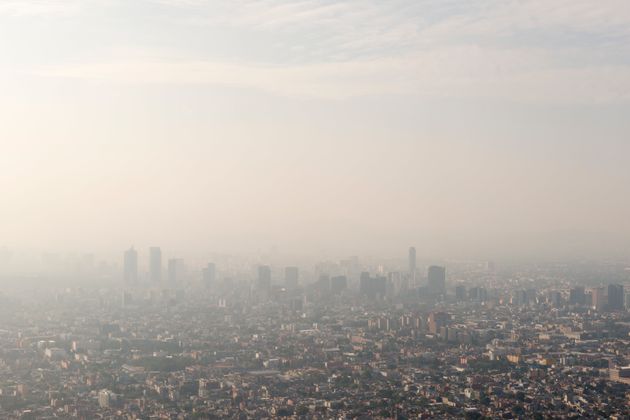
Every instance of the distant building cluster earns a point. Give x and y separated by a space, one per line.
347 340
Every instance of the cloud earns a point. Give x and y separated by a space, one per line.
275 15
447 72
322 30
348 48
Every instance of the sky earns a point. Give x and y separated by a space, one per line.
467 129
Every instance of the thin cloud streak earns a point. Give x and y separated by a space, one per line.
455 72
352 48
449 20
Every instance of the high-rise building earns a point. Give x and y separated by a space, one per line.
175 270
460 292
530 296
577 296
264 278
130 266
599 300
323 283
436 280
554 298
519 297
615 297
437 320
291 277
155 264
372 287
338 284
478 294
396 283
412 266
364 282
209 275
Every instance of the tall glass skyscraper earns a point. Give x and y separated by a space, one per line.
130 266
412 266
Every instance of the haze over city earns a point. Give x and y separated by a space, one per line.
314 209
469 129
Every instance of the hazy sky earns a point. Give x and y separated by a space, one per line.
461 127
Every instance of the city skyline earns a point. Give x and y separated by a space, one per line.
314 209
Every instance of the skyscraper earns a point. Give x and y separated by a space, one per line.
175 270
436 280
437 320
130 266
338 284
615 297
412 266
155 264
323 283
460 292
372 287
478 294
209 275
577 296
599 300
291 277
264 278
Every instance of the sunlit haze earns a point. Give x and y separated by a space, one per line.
314 209
470 129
